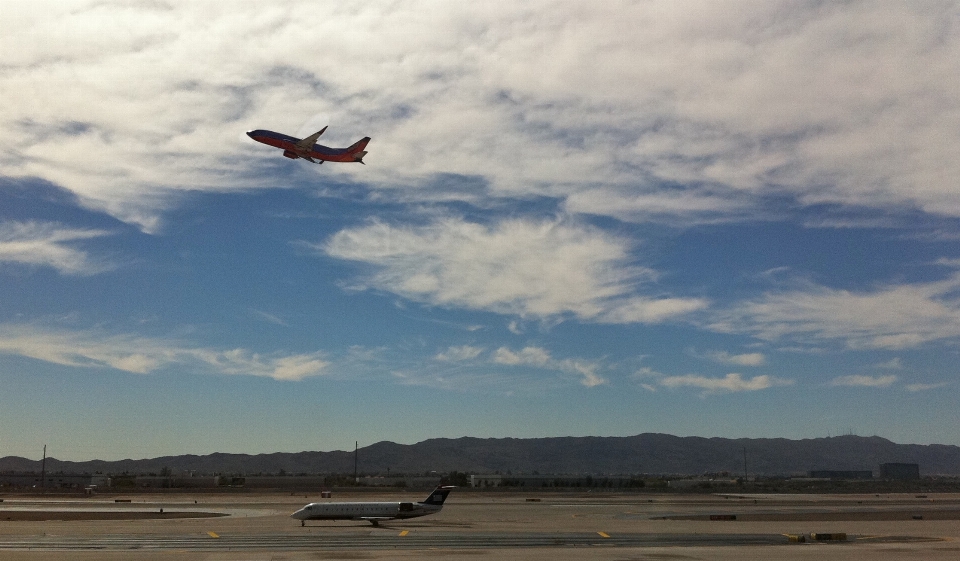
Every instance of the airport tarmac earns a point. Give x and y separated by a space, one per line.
554 526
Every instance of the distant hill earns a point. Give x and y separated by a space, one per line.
644 453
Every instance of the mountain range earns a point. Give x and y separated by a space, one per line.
648 453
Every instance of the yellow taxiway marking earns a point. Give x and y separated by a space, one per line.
604 534
213 534
404 533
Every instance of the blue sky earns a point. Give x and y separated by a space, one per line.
703 218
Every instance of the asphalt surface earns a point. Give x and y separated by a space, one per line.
557 527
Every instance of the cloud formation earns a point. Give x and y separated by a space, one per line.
48 244
142 355
604 105
470 368
926 387
522 267
859 380
746 359
893 317
540 358
730 383
459 353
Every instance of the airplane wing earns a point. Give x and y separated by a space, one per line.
307 143
375 520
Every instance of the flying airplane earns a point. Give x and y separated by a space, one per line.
307 149
373 512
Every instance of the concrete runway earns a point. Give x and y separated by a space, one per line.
557 527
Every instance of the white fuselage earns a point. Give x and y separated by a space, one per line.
364 511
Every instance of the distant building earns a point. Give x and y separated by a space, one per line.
899 471
101 481
52 481
699 482
168 482
412 482
563 481
839 474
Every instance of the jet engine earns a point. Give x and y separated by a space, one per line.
290 154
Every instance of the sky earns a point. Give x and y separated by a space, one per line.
719 219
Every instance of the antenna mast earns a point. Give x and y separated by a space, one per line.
43 470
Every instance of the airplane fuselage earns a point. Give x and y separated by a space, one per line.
363 511
293 148
374 512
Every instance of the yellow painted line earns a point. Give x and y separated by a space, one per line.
213 535
604 534
404 533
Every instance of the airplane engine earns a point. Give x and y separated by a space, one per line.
290 154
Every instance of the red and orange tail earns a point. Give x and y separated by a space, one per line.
359 145
357 150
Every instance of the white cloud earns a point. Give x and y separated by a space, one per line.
645 372
540 358
640 309
528 268
142 355
47 244
269 318
892 317
649 379
456 354
858 380
746 359
466 368
725 102
893 364
730 383
530 356
628 205
926 387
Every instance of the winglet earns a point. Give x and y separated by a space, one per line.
311 140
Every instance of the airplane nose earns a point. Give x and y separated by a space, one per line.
250 134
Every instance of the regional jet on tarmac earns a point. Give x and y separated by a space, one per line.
305 148
373 512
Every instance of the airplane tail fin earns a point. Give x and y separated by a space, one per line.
357 149
438 495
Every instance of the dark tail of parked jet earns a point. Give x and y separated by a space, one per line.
438 496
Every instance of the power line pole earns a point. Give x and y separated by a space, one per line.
43 470
356 451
